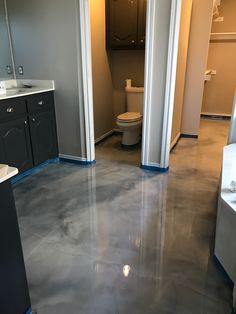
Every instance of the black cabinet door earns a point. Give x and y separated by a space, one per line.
122 23
13 288
43 136
142 22
15 147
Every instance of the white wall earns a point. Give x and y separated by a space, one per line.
196 65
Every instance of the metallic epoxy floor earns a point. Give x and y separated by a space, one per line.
81 226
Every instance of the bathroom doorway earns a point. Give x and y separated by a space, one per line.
118 62
219 86
163 22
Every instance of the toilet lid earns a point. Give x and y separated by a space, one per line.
130 117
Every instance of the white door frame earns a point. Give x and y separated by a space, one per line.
86 53
175 21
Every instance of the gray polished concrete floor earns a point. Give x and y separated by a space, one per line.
114 239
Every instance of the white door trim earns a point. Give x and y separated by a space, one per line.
86 55
170 81
149 57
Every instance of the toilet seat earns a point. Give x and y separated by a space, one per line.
129 117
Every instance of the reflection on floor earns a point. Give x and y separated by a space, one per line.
116 239
111 149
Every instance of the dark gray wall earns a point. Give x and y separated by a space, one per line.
5 53
45 42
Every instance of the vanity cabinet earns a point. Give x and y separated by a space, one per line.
28 134
43 135
126 24
15 146
14 290
42 124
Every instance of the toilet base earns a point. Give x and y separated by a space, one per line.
131 138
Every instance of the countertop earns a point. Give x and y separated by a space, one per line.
11 172
16 88
229 175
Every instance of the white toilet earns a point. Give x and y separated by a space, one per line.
130 122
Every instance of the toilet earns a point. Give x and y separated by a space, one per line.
130 122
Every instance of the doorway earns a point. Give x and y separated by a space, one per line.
218 103
118 61
219 87
163 20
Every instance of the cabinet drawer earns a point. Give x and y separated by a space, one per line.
40 102
12 108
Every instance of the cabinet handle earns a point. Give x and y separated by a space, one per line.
41 103
133 41
25 122
33 120
142 41
10 110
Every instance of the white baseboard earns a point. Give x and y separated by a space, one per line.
104 136
118 130
216 114
175 140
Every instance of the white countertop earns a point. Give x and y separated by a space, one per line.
229 175
16 88
11 172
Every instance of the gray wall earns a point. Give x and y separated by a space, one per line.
5 54
45 40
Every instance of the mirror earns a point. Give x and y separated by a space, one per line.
6 67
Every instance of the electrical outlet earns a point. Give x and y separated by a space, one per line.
2 87
9 69
20 70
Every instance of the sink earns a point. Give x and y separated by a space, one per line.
3 170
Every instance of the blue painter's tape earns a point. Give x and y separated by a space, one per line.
189 136
29 311
33 170
223 271
153 168
78 162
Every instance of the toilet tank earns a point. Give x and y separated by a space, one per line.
134 97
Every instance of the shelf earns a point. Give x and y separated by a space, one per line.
223 37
